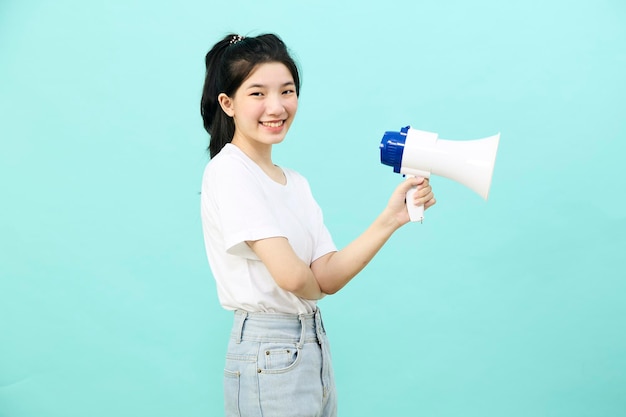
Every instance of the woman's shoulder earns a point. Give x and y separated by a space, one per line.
298 181
228 160
294 175
229 170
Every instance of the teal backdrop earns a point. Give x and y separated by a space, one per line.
513 307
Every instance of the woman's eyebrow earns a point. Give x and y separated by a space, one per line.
287 84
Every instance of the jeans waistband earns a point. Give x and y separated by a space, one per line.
279 327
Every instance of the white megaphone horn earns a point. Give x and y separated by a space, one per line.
418 153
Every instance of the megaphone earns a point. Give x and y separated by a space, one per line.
419 153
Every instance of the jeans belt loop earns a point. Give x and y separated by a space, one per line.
242 316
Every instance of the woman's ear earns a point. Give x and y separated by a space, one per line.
226 104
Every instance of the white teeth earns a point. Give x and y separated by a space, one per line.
272 124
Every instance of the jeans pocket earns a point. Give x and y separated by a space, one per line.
278 357
231 393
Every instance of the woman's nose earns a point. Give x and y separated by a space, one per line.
274 105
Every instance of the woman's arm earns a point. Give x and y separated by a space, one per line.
288 270
336 269
331 272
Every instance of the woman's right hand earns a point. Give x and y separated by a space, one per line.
397 205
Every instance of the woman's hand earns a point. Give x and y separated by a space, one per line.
396 207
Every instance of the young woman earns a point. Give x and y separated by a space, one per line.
271 255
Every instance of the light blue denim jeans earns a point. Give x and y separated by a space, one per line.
279 365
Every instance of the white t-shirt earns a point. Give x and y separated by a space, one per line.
239 203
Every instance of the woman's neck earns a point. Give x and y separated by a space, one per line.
259 153
262 156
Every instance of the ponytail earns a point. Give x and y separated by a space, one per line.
217 123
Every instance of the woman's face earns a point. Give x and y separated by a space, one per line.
263 107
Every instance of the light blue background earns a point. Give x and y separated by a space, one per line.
514 307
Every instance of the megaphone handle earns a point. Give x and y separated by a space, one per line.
416 213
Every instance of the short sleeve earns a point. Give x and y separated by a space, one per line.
323 242
243 208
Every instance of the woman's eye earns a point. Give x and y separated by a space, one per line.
288 92
256 94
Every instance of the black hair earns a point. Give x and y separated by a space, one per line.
228 65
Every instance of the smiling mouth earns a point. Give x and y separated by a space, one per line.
273 124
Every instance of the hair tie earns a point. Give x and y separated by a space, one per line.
236 38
